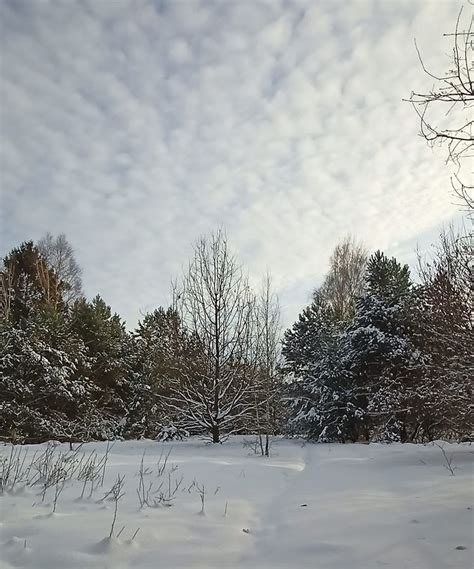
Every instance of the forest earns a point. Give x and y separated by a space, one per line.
377 355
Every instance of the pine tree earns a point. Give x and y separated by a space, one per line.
310 337
348 380
378 353
108 353
309 348
43 392
161 345
27 283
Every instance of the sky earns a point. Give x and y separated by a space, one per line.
135 127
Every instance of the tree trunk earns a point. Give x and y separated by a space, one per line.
215 434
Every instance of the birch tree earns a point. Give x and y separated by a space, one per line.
345 281
59 255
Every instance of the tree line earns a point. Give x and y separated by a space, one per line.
388 359
374 356
70 370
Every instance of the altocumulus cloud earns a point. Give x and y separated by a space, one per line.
136 126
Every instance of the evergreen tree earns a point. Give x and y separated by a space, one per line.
347 381
378 353
310 337
309 348
27 283
108 352
43 392
161 344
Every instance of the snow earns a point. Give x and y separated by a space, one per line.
307 506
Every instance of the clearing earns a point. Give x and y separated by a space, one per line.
306 507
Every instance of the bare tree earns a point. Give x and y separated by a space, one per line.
451 124
446 330
7 282
345 279
59 255
453 256
267 344
216 306
53 288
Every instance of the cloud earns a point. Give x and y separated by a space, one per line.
136 126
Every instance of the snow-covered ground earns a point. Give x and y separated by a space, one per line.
308 506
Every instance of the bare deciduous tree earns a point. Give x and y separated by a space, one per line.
446 329
345 280
59 255
452 124
52 287
267 344
7 281
454 257
216 306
